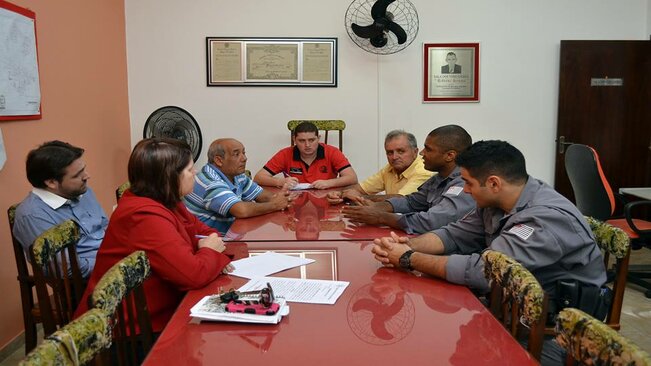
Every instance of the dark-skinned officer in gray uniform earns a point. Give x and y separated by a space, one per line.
438 202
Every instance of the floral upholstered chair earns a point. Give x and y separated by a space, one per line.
591 342
326 125
118 293
121 189
613 241
77 343
516 298
54 262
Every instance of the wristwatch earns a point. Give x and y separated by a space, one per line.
405 260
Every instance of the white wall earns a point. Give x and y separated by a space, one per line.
519 71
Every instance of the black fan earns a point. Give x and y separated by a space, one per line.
382 26
177 123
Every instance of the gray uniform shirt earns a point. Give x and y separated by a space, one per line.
438 202
544 231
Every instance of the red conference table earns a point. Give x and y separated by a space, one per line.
309 218
385 316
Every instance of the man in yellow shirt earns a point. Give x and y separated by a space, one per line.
403 174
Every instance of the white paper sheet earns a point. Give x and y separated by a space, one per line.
266 264
299 290
301 187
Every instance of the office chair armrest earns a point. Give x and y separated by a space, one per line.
628 214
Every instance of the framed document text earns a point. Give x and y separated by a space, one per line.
238 61
451 72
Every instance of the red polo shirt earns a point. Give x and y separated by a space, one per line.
329 162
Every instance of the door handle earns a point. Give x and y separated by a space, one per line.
561 144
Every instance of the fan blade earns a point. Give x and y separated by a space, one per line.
368 31
398 31
379 9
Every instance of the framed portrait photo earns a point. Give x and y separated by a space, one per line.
450 72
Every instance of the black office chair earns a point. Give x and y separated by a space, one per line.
595 198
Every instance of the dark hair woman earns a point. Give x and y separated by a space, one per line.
151 217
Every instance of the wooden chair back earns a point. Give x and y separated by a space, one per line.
323 125
55 265
516 299
591 342
120 293
77 343
614 242
31 312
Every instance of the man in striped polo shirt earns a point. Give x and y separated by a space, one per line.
223 192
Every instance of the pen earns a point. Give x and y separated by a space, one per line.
285 174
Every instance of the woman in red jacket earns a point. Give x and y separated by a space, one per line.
151 217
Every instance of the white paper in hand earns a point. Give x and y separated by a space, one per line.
301 187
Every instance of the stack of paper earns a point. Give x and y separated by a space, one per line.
210 308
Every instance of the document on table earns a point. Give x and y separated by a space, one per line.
266 264
299 290
301 187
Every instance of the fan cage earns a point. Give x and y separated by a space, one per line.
404 13
175 122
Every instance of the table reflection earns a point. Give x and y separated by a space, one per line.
478 335
310 218
379 315
311 214
260 339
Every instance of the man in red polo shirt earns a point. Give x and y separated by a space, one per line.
308 161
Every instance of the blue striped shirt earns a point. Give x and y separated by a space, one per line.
213 196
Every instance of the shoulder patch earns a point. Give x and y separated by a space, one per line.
454 191
521 230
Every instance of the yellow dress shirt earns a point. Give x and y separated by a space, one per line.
388 181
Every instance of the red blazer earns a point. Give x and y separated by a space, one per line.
168 238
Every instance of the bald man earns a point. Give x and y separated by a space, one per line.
222 192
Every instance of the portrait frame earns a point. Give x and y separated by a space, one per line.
450 72
271 61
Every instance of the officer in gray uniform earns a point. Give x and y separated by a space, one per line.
438 201
544 232
517 215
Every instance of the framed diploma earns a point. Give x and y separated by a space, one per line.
238 61
450 72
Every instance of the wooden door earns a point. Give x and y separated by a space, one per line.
605 102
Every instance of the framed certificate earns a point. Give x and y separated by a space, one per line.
450 72
237 61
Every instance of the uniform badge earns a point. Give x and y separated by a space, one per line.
522 231
323 169
454 191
